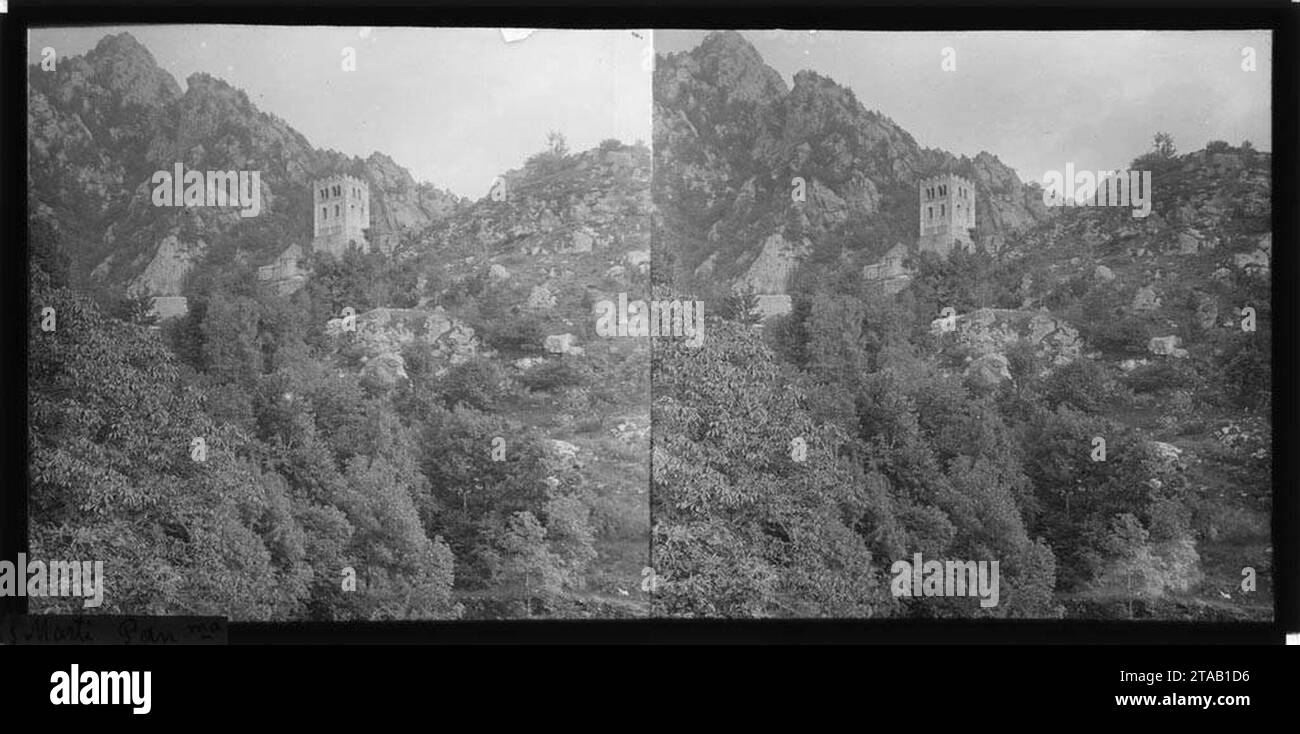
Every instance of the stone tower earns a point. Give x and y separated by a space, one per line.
947 214
340 212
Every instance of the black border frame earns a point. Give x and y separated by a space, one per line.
1279 16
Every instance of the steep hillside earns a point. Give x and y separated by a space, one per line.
730 140
1084 399
430 429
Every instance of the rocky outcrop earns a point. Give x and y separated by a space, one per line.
384 371
992 331
989 370
540 299
1145 299
100 125
772 268
388 331
561 344
1166 346
165 273
399 203
285 274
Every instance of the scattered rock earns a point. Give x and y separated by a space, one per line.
1162 345
1257 260
498 272
1168 455
1146 299
637 258
580 241
540 298
563 452
1103 274
561 344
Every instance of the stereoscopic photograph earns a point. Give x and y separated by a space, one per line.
373 323
313 334
989 326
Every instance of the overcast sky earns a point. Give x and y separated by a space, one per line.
1041 99
456 107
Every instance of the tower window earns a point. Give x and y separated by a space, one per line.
929 212
336 210
324 212
943 210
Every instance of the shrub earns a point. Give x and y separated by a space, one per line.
1159 377
516 336
552 376
1081 385
476 383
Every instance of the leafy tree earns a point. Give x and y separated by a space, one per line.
741 307
523 564
742 527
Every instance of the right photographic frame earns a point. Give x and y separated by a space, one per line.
988 326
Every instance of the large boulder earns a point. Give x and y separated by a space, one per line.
540 298
1189 242
580 241
561 455
1146 299
1167 455
1252 261
561 344
1162 345
989 370
385 371
1207 310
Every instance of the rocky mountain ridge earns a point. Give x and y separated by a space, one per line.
101 124
753 177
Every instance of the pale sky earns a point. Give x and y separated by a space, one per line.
1040 99
456 107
